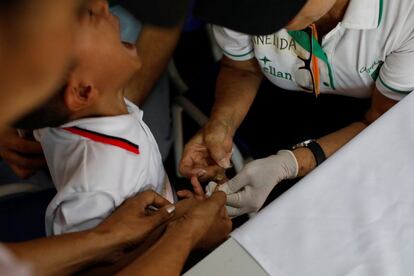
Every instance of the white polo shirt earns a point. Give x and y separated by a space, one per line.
373 44
96 164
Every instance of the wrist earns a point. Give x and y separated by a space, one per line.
290 163
225 121
183 230
108 241
305 159
96 247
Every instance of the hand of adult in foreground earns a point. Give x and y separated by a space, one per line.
249 189
208 153
200 224
206 221
128 226
131 223
23 156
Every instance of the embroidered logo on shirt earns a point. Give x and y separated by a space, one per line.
280 43
372 70
105 139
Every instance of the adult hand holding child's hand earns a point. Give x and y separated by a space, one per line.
131 223
208 153
206 221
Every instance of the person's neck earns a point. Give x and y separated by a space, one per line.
109 104
331 19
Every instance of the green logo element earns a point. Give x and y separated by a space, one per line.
265 60
372 70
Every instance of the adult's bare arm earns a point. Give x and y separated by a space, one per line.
129 225
203 226
181 208
249 189
334 141
155 46
210 149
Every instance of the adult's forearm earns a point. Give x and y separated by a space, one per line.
237 86
127 258
329 143
334 141
166 257
65 254
155 46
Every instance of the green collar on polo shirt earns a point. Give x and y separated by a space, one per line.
360 14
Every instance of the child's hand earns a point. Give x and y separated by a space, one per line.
198 190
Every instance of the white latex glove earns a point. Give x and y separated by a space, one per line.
211 188
249 189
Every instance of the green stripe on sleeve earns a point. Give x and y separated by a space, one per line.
237 56
393 89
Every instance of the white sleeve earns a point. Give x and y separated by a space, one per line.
236 46
92 181
81 211
396 78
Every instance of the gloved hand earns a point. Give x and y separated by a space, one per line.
248 190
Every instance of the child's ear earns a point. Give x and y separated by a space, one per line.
79 96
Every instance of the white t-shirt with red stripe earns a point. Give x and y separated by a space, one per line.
96 164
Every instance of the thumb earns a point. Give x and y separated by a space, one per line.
235 184
235 212
220 150
162 215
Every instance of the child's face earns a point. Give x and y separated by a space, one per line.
101 56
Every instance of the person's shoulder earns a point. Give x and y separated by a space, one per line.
58 143
396 10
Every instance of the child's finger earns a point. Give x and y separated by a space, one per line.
185 194
198 190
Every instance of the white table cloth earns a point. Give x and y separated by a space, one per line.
354 215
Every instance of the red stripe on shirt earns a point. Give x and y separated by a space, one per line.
105 139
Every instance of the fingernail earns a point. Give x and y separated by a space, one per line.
170 209
224 163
